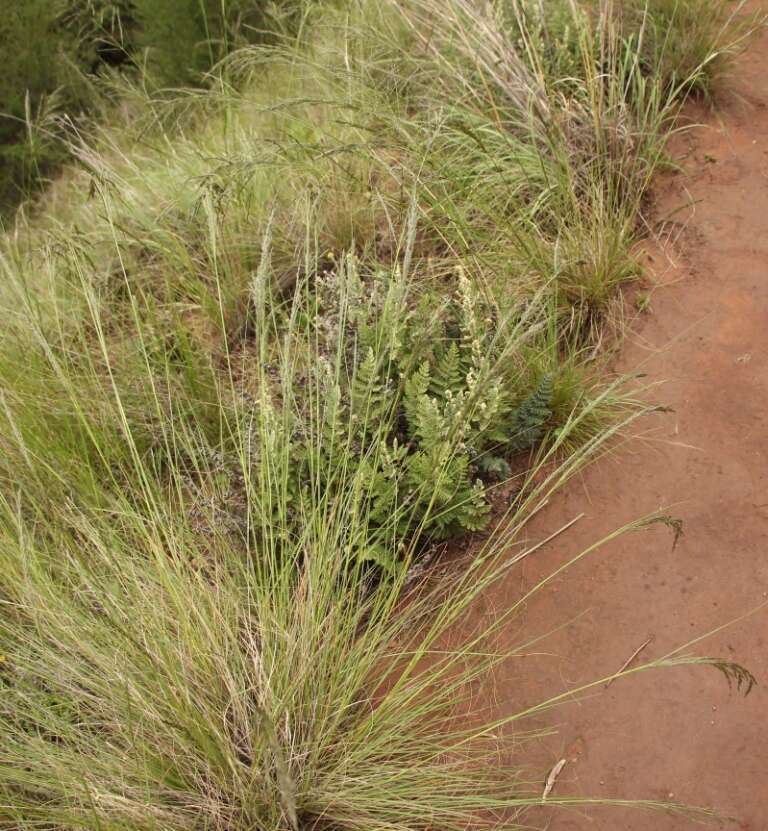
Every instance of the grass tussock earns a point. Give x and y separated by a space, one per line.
690 43
267 344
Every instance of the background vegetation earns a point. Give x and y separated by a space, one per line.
267 344
60 54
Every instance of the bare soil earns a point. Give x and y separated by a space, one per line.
677 734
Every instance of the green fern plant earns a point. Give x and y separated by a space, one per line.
447 375
529 419
452 413
368 391
438 410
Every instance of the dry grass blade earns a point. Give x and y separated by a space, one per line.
552 779
630 659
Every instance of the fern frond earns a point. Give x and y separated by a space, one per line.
416 386
367 393
428 423
447 374
531 416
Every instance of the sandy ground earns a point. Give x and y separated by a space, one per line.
676 734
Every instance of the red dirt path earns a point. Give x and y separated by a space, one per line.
678 733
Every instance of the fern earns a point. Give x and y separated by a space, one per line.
531 416
447 376
423 392
494 466
428 423
442 487
416 387
473 511
368 395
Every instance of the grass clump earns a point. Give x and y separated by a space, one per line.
267 343
164 667
689 43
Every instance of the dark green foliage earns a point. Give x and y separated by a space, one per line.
51 48
182 39
436 408
34 66
447 373
529 419
495 466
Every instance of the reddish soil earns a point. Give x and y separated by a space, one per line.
676 734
